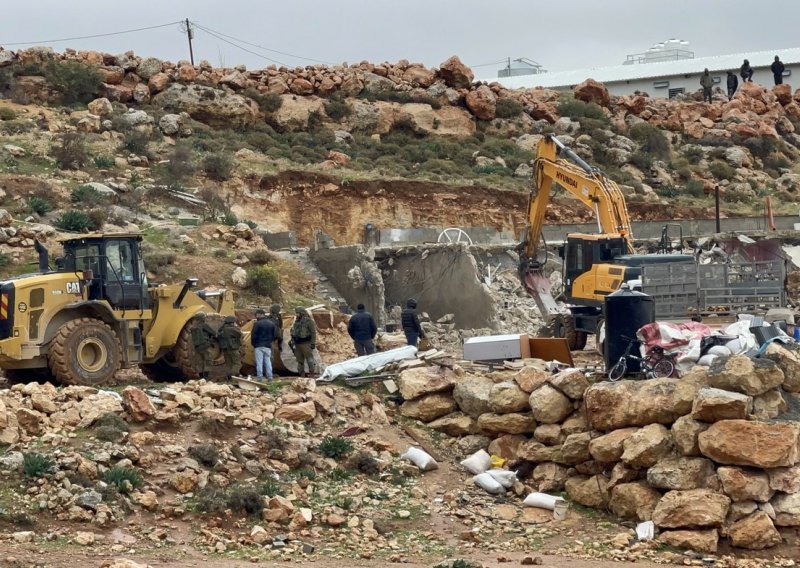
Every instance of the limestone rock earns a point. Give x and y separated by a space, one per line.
138 404
745 485
456 74
609 448
755 532
512 423
681 473
785 479
184 481
414 383
537 452
239 277
789 362
549 406
508 397
701 541
100 107
148 67
455 424
745 375
645 447
712 405
588 491
787 509
769 405
531 378
634 501
506 446
695 508
685 434
300 412
575 448
429 407
482 102
550 476
216 108
757 444
549 434
472 395
591 91
571 382
216 391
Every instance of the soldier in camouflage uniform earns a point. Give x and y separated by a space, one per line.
304 341
230 343
275 317
202 337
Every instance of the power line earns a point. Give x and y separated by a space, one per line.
209 30
199 27
488 64
90 36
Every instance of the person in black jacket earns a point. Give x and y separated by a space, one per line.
733 84
746 72
410 323
362 329
777 70
262 335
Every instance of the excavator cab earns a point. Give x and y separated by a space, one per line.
581 253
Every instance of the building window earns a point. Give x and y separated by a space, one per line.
675 92
660 84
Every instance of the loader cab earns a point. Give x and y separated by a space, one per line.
581 252
113 266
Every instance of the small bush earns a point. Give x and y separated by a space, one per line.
218 166
267 102
219 253
5 260
87 195
37 465
77 82
695 188
260 256
652 139
157 260
211 499
74 220
180 166
721 170
306 473
270 487
229 218
694 154
335 447
339 474
508 108
365 463
776 162
245 498
762 146
493 169
642 160
108 434
69 151
104 162
265 281
113 420
668 191
135 142
206 454
123 478
7 113
573 108
250 223
39 205
337 109
275 439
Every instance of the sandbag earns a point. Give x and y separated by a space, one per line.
503 477
541 500
720 350
706 360
478 462
420 458
488 484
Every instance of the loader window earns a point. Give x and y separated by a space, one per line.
119 261
87 258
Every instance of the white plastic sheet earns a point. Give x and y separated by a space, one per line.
359 365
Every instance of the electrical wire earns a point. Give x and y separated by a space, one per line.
492 63
239 46
91 36
209 30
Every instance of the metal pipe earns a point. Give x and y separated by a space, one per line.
572 155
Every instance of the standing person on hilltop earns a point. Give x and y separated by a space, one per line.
410 323
746 72
304 341
707 82
261 337
362 330
733 84
777 69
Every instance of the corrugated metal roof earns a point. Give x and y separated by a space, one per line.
636 71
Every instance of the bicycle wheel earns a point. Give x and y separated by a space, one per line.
618 370
664 368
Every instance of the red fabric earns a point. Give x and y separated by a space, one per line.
651 335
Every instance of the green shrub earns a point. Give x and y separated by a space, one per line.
245 498
694 154
493 169
77 82
104 162
179 167
229 218
508 108
270 487
7 113
340 474
97 219
73 220
365 463
642 160
37 465
108 434
260 256
264 280
135 142
695 188
205 454
250 223
267 102
571 107
761 146
651 139
39 205
721 170
5 260
87 195
668 191
275 438
211 499
113 420
123 478
335 447
219 253
776 162
218 166
337 109
69 151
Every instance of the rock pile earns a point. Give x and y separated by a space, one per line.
700 456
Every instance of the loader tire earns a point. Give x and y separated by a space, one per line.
84 351
164 370
184 352
564 326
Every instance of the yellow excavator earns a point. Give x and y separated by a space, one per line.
96 312
594 265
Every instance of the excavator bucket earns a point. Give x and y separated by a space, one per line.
538 286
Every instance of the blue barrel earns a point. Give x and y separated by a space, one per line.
625 312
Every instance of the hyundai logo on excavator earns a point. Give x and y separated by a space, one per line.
568 180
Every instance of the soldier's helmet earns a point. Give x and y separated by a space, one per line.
299 310
230 319
275 309
200 315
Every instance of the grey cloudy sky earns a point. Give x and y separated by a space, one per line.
560 34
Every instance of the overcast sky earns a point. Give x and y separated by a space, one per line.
559 34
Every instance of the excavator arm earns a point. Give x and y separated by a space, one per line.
590 186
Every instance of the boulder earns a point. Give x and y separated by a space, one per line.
785 479
695 508
571 382
701 541
100 107
531 378
214 107
455 74
757 444
787 509
471 393
43 402
549 434
148 67
300 412
548 477
681 473
31 421
414 383
789 362
512 423
575 448
588 491
638 403
740 510
712 405
609 448
455 424
482 102
633 501
508 397
769 405
419 76
549 406
685 434
745 485
745 375
537 452
184 481
302 87
576 422
591 91
429 407
506 446
138 404
621 473
783 93
645 447
755 532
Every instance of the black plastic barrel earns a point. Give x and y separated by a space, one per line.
625 312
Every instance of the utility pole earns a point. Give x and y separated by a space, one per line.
190 35
716 207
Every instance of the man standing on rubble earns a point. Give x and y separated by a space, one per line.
707 82
362 329
733 84
304 341
202 337
230 343
410 323
261 338
777 69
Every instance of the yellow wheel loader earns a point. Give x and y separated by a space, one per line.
96 312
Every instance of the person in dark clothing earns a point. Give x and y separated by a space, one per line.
203 335
363 330
275 317
707 82
410 323
733 84
261 338
304 341
777 68
746 71
229 337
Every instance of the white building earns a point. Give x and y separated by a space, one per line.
665 78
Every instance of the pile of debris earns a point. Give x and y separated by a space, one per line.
702 457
